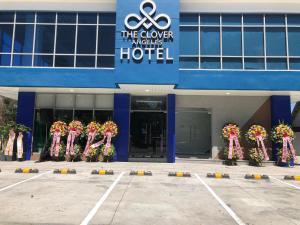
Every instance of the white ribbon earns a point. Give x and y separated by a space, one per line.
20 148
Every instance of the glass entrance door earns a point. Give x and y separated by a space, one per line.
147 134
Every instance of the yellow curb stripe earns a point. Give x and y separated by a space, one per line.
257 176
297 178
179 174
141 173
64 171
218 175
102 172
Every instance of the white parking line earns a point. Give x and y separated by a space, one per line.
23 181
94 210
286 183
222 203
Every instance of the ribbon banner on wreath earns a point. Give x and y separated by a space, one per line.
92 130
284 134
110 130
258 134
75 129
231 133
57 130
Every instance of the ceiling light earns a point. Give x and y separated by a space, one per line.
227 93
147 90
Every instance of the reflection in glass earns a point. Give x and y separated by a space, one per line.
6 33
5 59
25 17
64 115
23 38
22 60
44 41
103 115
43 60
85 116
42 123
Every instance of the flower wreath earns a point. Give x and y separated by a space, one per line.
231 133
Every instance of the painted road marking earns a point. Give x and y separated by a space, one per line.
23 181
286 183
221 202
94 210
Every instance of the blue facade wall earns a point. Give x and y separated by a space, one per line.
280 112
25 116
147 71
121 117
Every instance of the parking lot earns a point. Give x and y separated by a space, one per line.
83 198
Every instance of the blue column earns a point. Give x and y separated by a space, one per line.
25 116
171 137
121 117
280 111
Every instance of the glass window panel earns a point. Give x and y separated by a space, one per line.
232 41
189 62
189 19
86 40
210 19
45 101
85 61
43 60
107 18
103 115
254 63
253 19
275 20
64 61
23 38
7 17
210 41
85 116
87 18
22 60
189 40
253 41
276 64
43 121
85 101
25 17
232 63
231 19
64 115
105 61
106 40
65 100
275 41
66 18
65 41
293 19
46 17
44 39
104 101
6 34
294 43
294 64
5 59
210 63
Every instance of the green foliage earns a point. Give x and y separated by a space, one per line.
256 157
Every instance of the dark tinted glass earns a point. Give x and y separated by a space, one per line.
105 61
106 40
66 17
64 61
103 115
65 41
86 40
23 38
87 18
6 33
85 61
231 19
210 19
189 19
7 17
5 59
25 17
107 18
44 41
43 60
275 20
253 19
22 60
46 17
